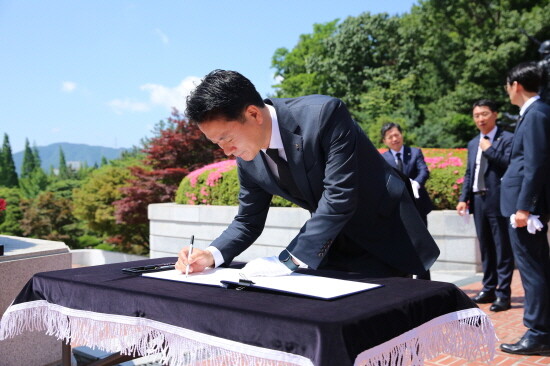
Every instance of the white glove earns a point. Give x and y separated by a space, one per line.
533 223
465 216
265 267
415 186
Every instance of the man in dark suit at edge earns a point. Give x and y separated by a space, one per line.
525 194
310 151
488 156
409 161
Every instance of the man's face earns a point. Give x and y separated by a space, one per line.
393 139
512 90
238 138
485 119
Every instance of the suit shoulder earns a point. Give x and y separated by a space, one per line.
507 134
314 99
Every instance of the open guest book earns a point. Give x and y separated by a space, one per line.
296 283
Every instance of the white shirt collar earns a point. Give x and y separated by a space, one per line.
402 150
276 142
528 103
491 134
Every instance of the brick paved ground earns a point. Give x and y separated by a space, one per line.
509 328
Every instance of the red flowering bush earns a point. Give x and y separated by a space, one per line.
2 209
218 183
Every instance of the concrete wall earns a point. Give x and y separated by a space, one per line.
171 226
21 260
96 257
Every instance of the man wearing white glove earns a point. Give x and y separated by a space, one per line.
525 191
309 151
410 162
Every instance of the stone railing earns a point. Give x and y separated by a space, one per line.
171 226
23 257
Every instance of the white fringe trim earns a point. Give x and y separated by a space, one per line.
138 337
467 334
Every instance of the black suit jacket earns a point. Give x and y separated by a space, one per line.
526 183
356 199
414 167
497 156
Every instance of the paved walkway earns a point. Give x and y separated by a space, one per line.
509 328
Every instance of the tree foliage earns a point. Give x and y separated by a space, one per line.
177 148
8 174
424 68
50 217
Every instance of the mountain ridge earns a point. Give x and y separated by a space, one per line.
49 154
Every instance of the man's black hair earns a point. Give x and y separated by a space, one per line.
222 94
388 126
528 74
492 105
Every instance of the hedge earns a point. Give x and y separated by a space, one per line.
218 183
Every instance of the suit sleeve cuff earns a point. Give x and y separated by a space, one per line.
300 263
218 257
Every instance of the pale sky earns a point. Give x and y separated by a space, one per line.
104 72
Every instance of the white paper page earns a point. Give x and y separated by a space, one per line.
297 283
315 286
211 276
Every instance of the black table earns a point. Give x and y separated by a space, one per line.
102 307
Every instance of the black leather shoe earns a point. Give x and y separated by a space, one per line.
526 346
484 297
500 305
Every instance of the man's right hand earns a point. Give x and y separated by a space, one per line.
200 259
461 208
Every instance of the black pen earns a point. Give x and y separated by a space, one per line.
189 255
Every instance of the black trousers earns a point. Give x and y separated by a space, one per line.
497 259
532 259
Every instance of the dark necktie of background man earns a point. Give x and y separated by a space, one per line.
399 162
481 171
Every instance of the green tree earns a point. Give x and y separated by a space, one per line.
9 224
29 162
64 170
424 68
8 174
34 183
50 217
93 203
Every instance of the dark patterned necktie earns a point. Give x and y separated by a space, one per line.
399 162
285 178
481 171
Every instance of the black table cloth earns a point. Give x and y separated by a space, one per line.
403 322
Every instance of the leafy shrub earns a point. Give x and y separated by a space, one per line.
447 167
218 183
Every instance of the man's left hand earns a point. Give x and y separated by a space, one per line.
265 267
521 218
484 144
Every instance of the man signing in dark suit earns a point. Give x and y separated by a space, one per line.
488 156
525 198
309 151
409 161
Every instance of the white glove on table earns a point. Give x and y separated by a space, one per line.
265 267
415 186
533 223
